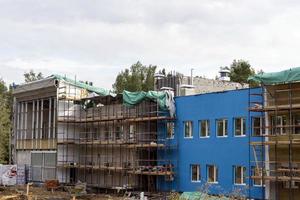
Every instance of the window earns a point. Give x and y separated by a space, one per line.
106 133
222 125
239 175
296 122
212 174
170 130
43 166
279 125
188 129
294 185
257 176
204 128
132 132
257 123
119 132
239 126
195 173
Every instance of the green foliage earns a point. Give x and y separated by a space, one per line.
138 78
5 123
32 76
240 70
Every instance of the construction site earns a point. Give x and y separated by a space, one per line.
275 138
154 145
75 132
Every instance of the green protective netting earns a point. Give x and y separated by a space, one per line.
286 76
199 196
97 90
133 98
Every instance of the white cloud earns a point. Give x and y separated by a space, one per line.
95 39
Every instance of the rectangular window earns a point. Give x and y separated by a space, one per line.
222 125
239 175
188 129
132 132
239 126
170 130
119 132
195 173
106 133
257 123
257 176
204 128
43 166
212 174
279 125
296 122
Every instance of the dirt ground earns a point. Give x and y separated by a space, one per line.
41 193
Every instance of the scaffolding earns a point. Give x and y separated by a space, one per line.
275 140
111 146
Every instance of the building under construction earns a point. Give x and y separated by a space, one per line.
275 138
71 131
74 132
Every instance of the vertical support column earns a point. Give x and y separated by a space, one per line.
266 149
50 121
42 124
25 126
22 126
54 121
21 132
18 125
37 123
291 195
33 124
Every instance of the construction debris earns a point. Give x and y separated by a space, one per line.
51 185
41 193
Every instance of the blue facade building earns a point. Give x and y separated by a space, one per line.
212 135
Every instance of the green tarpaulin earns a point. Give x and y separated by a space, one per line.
133 98
129 98
97 90
286 76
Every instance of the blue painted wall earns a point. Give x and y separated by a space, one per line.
223 152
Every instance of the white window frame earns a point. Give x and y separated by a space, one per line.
260 126
280 117
215 175
254 174
190 130
207 128
198 173
172 129
225 130
243 170
132 132
242 120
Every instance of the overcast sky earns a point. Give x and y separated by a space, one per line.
95 39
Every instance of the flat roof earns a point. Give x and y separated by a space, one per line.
216 92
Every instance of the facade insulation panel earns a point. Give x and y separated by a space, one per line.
223 147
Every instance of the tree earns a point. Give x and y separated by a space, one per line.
32 76
138 78
5 122
240 71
